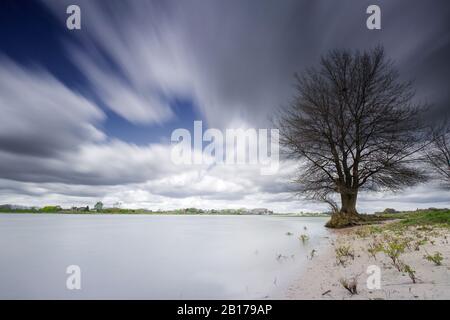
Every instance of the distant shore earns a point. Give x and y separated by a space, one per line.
404 253
187 211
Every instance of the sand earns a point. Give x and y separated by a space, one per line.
321 279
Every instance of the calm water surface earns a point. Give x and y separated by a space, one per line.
153 257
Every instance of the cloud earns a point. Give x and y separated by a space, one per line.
50 145
236 59
40 115
129 58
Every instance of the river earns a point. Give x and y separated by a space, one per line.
153 256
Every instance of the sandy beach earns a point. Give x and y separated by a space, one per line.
324 272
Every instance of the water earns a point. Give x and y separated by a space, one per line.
153 257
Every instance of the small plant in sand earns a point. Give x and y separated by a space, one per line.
409 271
289 233
419 243
281 257
343 253
425 228
436 258
312 254
417 234
376 229
393 249
408 242
399 232
434 233
350 285
303 238
367 231
362 232
374 248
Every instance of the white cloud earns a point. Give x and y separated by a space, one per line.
39 114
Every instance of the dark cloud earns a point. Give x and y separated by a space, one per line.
237 58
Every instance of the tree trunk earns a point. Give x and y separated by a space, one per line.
347 215
348 206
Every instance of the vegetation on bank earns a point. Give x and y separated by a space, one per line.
87 210
100 209
371 222
430 216
409 232
440 217
425 220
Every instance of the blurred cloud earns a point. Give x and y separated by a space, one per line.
40 116
236 59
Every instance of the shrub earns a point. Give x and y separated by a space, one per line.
393 249
410 271
436 258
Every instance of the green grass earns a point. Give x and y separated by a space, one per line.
423 218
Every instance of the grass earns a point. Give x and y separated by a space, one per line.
422 218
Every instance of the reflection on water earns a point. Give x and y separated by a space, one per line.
153 257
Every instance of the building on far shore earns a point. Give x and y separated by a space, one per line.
260 211
84 209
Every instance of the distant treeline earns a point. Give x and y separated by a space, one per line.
100 209
87 210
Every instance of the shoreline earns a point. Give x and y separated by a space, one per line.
321 277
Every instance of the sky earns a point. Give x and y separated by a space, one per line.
87 115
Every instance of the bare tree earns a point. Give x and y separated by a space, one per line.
353 126
437 154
